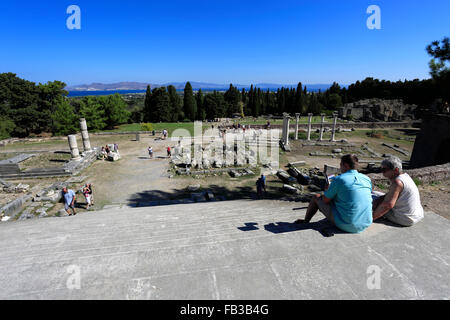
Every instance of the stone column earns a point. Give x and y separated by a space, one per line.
285 133
297 118
138 136
74 147
309 126
333 134
85 135
321 126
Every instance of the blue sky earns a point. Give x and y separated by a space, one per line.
217 41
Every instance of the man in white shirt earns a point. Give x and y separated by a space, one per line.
401 204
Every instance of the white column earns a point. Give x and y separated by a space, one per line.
285 133
333 134
73 147
321 126
297 118
85 135
309 126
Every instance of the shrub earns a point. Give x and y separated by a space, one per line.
146 127
375 134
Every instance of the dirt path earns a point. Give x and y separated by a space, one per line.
118 182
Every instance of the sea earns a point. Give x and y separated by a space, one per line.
109 92
102 93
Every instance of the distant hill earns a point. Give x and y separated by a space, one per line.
180 86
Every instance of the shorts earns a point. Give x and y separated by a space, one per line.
326 209
69 205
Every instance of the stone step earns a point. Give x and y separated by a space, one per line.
144 222
153 234
197 251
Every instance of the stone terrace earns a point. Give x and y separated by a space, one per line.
243 249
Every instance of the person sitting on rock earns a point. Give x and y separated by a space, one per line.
347 201
103 154
401 204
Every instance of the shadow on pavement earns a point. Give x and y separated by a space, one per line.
324 227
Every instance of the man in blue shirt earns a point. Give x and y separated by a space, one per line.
69 200
347 202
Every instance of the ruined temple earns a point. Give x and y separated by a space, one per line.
378 110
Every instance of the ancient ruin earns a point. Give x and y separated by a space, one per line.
378 110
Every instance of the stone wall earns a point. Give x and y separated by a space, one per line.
426 174
378 110
432 145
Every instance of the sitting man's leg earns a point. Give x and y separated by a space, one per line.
316 204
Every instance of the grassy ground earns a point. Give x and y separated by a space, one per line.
46 160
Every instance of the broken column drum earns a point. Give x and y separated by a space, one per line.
297 118
309 126
73 147
321 126
85 135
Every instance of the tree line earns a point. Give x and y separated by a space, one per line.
28 108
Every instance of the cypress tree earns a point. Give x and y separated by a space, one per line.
250 101
161 105
189 106
147 105
201 112
299 99
175 103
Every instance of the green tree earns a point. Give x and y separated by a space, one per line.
215 105
440 51
92 110
6 127
299 99
175 104
189 105
334 101
161 105
233 97
200 107
115 110
147 105
64 119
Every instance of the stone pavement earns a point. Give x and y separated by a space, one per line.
243 249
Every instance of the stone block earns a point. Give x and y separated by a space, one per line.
290 189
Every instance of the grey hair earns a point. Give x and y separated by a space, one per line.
392 162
